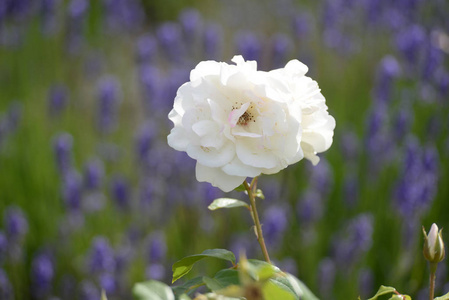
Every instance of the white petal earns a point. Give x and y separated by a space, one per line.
234 115
178 139
212 157
237 168
218 178
253 153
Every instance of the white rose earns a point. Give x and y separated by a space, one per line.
238 122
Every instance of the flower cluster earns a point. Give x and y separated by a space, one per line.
239 122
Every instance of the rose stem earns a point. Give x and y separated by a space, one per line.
250 190
433 270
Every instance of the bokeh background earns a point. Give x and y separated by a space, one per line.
91 196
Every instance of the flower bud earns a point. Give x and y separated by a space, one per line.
433 245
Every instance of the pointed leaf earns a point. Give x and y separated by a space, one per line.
188 287
240 188
182 267
274 290
444 297
383 290
152 290
400 297
299 288
226 203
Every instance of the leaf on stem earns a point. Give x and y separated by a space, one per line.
444 297
226 203
183 266
152 290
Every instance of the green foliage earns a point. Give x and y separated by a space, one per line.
152 290
183 266
444 297
249 279
226 203
385 290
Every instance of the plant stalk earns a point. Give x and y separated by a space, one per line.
433 271
255 215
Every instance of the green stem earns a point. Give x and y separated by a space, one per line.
255 215
433 270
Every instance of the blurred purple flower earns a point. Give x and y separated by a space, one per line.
157 247
191 23
93 174
120 192
355 240
212 43
321 177
42 274
6 289
48 10
144 139
109 97
326 277
169 37
242 244
309 207
351 190
89 291
281 48
121 15
62 147
146 49
15 223
151 80
3 247
302 25
402 122
72 190
77 12
248 45
433 59
388 70
275 222
108 283
410 42
155 271
101 257
366 283
57 99
350 145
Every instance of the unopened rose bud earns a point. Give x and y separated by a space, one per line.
433 245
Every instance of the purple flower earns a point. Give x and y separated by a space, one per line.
433 59
77 11
146 48
351 190
157 247
89 291
354 240
275 222
42 273
6 289
62 147
169 37
321 177
366 283
302 25
120 192
350 145
16 224
248 45
57 99
155 271
310 207
388 70
108 283
144 140
93 174
281 47
109 97
326 277
402 122
3 247
101 256
151 80
212 43
72 190
48 10
410 42
121 15
190 20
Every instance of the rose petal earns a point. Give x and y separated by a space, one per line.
218 178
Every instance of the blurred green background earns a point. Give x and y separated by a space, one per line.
92 197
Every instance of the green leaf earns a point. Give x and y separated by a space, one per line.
189 286
222 279
226 203
400 297
240 188
444 297
273 290
182 267
299 288
152 290
383 290
184 297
